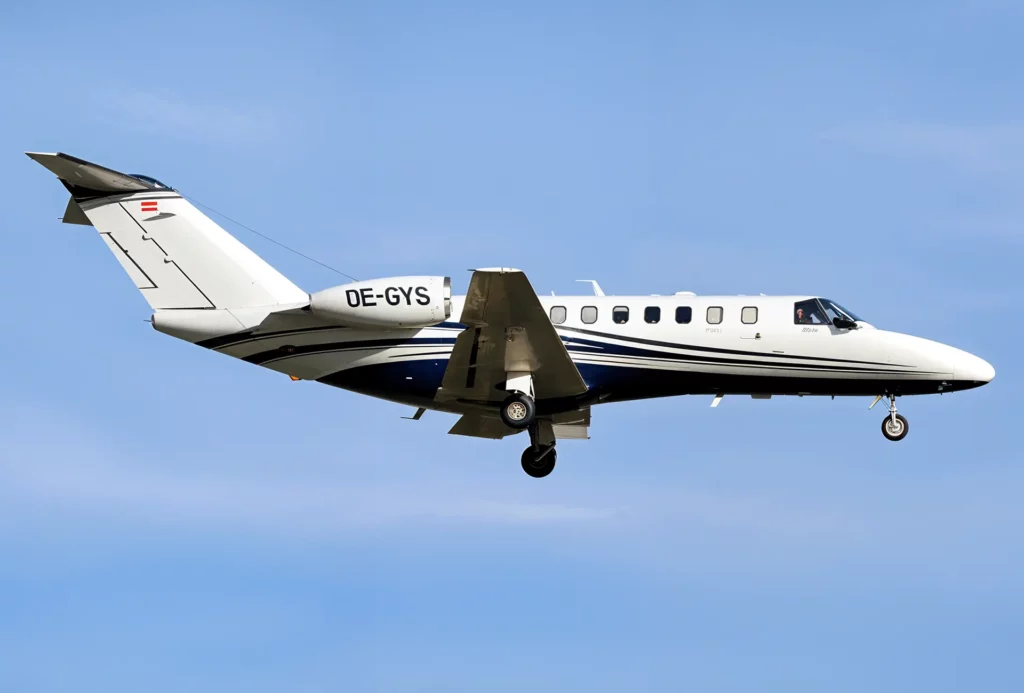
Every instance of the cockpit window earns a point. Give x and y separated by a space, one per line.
151 181
834 310
809 313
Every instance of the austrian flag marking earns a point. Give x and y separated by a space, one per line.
149 206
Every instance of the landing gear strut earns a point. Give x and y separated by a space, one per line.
539 458
894 426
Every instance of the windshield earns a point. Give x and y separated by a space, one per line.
834 310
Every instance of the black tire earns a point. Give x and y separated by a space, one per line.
518 410
539 465
899 432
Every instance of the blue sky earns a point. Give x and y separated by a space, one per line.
171 519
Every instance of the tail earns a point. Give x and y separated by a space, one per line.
177 257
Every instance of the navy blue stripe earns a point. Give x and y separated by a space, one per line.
250 336
421 353
326 347
578 346
611 360
620 350
717 350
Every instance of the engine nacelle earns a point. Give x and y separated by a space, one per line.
390 302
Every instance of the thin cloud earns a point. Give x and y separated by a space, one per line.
76 475
57 477
278 505
164 112
982 150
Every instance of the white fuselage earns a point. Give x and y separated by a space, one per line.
752 345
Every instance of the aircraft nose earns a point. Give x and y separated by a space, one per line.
973 369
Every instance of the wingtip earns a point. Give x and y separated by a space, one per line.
43 157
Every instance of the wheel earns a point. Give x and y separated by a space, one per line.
897 431
518 411
539 464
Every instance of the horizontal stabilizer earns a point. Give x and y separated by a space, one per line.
79 173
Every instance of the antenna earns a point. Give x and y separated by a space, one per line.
597 287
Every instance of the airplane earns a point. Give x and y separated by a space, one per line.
501 357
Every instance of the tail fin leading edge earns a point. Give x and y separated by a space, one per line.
177 257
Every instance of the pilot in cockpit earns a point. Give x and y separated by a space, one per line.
808 313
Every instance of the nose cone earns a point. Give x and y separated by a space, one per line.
973 370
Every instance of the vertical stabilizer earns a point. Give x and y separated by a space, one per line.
176 256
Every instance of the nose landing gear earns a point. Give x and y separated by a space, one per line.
895 426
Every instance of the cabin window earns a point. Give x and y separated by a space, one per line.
652 314
589 315
715 315
808 313
684 314
620 315
748 316
558 314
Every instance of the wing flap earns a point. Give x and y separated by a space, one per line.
479 426
571 432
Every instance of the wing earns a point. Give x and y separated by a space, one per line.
507 331
572 425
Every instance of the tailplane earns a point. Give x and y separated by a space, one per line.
177 257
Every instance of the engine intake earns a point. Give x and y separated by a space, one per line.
390 302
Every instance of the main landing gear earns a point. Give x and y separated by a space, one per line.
539 458
894 426
519 412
